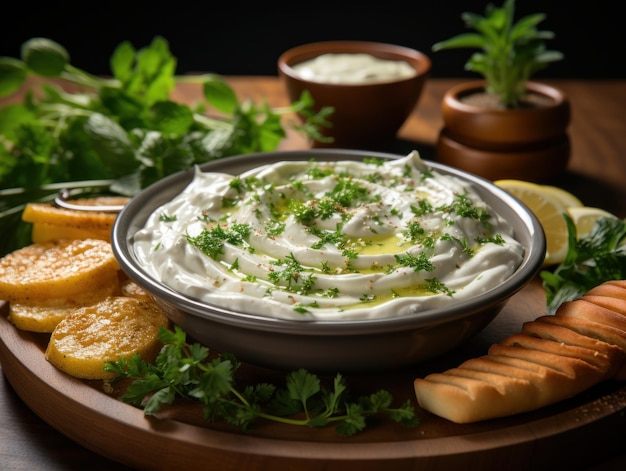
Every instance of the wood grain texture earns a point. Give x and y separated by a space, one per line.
53 422
180 439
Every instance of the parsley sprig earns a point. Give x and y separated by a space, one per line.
189 371
125 129
590 261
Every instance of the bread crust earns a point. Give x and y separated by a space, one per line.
585 309
552 358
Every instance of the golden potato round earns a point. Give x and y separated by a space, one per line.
56 269
43 316
51 222
89 220
117 327
45 231
131 289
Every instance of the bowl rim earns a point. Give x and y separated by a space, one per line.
417 59
134 215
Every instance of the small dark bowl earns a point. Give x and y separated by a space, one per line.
366 116
359 345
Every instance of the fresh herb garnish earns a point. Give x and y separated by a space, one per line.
189 371
124 128
292 272
416 234
211 241
167 218
418 262
435 286
336 238
464 207
348 193
590 261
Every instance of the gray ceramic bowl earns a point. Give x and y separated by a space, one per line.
330 345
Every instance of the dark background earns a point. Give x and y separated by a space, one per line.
237 38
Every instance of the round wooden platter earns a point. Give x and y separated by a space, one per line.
573 433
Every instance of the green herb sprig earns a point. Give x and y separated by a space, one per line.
74 126
188 371
591 260
510 52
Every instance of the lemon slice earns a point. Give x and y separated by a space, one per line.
548 209
585 218
566 198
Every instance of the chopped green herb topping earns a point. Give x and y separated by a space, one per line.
292 273
166 218
418 263
464 207
211 241
436 286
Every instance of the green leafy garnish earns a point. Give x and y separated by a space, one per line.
211 241
293 273
125 128
509 52
418 262
189 371
598 257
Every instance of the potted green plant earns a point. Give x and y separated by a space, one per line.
505 125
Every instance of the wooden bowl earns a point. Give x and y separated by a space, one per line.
367 115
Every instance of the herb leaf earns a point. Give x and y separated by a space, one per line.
591 260
125 128
190 372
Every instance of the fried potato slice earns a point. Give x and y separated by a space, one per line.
56 269
51 222
131 289
116 327
45 231
87 220
44 316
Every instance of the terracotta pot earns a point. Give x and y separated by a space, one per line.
527 144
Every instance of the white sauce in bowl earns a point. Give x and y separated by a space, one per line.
330 240
353 68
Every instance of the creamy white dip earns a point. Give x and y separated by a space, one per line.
329 240
353 68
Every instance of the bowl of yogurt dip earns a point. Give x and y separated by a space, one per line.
328 259
372 87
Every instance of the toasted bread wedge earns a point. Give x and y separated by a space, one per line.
551 359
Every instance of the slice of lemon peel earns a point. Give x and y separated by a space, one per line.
549 204
585 217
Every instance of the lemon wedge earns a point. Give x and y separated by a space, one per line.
585 218
566 198
549 209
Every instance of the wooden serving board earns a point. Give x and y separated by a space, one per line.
180 439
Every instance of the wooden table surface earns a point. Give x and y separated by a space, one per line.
596 174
